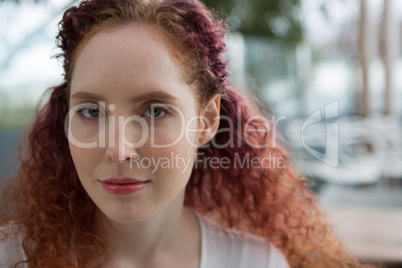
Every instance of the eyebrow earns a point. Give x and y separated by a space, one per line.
142 97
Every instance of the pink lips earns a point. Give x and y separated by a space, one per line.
123 186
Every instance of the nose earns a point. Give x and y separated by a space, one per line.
118 148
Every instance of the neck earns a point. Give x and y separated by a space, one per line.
166 233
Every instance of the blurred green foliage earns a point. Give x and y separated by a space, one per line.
275 19
12 117
276 23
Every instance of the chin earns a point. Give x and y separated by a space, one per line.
125 215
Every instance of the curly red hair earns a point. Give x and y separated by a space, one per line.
47 198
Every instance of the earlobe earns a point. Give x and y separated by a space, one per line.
209 121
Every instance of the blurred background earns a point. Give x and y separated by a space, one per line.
329 72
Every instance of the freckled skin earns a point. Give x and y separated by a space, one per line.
118 68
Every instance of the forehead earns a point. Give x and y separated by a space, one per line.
134 56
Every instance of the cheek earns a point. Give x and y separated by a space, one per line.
171 133
84 159
83 133
164 138
193 131
174 162
174 169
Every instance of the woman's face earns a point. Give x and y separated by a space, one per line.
128 99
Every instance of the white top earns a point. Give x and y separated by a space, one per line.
220 248
10 248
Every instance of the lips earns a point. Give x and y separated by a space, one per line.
124 186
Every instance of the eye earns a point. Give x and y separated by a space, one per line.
155 112
89 112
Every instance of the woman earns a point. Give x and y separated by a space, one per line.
146 156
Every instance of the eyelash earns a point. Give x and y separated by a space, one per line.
81 110
161 108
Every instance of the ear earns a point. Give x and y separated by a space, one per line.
209 121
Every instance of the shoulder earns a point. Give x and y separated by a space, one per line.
222 247
11 251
